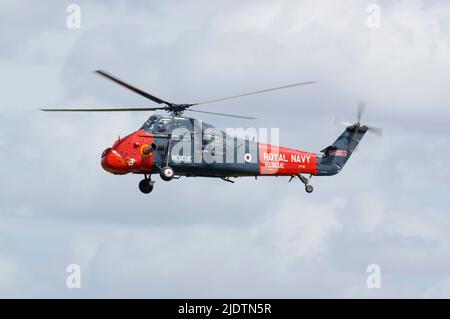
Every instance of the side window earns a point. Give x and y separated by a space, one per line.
213 142
207 138
210 138
182 126
179 123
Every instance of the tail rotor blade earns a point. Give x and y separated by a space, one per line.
361 107
375 130
338 122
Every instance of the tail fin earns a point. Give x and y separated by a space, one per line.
336 155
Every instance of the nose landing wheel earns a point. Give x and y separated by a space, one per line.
146 185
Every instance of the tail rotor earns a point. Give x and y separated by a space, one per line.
358 126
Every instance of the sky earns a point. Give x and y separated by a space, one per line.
204 238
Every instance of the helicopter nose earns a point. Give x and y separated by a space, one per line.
112 162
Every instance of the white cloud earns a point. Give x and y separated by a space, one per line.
194 236
440 289
296 227
9 270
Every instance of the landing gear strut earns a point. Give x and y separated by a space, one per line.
146 185
308 188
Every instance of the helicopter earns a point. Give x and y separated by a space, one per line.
173 146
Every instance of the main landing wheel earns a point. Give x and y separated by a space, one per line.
309 188
166 173
146 185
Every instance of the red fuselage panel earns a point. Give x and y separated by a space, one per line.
275 160
127 155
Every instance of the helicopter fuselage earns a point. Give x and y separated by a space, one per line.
178 142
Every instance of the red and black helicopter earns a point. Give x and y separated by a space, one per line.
173 146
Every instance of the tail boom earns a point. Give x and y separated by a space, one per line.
336 155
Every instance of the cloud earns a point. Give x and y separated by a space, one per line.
202 237
132 261
298 228
9 269
440 289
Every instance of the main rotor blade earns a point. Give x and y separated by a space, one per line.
255 92
132 88
126 109
223 114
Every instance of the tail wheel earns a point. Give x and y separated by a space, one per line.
166 173
146 186
309 188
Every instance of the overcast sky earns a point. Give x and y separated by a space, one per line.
203 237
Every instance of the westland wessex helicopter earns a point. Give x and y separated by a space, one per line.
173 146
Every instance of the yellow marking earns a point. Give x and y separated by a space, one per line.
142 150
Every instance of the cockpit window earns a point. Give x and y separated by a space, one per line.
157 124
162 126
149 125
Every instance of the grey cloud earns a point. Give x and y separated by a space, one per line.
201 237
